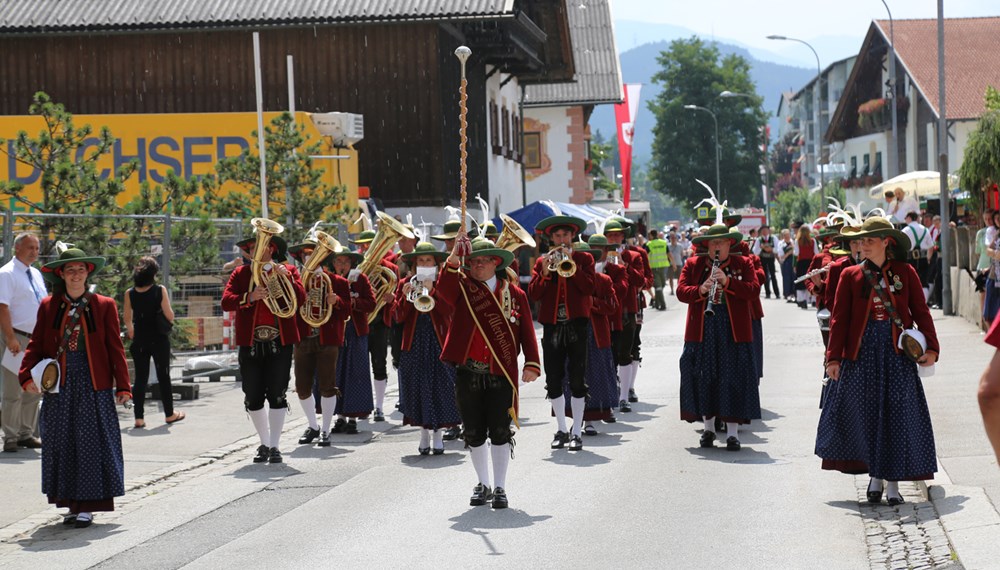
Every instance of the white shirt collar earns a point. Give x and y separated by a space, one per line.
492 283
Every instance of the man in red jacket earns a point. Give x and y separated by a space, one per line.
637 274
379 329
566 301
491 325
265 342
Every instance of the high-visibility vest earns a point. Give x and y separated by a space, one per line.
658 256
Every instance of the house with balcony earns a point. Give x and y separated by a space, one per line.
862 121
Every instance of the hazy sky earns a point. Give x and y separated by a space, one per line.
750 21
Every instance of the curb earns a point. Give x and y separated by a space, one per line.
970 520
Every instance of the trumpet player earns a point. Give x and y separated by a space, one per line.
378 334
265 343
566 299
315 356
718 375
625 349
354 380
427 385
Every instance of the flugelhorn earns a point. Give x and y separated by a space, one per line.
562 262
316 311
420 296
383 279
280 297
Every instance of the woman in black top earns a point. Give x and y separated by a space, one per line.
148 317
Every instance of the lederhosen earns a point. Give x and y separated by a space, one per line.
265 365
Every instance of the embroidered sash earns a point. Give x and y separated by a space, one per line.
495 327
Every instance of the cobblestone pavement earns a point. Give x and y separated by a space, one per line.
905 537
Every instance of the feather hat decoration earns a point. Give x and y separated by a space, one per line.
423 229
61 246
311 234
552 205
713 202
485 207
598 225
366 222
453 213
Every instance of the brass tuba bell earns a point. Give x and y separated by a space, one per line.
280 293
316 311
383 279
513 236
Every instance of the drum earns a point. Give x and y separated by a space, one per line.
823 316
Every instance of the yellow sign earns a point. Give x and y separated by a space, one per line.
187 144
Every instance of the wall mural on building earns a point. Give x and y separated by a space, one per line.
536 158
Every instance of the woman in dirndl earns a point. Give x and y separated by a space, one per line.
875 418
718 366
426 383
354 373
805 250
991 303
82 463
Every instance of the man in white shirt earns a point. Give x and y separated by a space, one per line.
921 241
901 206
21 292
766 248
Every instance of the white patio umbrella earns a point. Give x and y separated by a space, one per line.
917 184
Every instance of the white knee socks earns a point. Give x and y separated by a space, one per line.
710 424
328 405
501 459
733 430
576 404
892 490
624 381
380 386
309 409
559 409
481 461
425 439
633 376
276 419
259 419
438 439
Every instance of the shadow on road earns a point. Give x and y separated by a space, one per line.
57 536
449 459
602 439
477 520
745 455
315 452
847 505
265 471
584 458
22 455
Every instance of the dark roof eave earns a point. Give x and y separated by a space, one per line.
573 103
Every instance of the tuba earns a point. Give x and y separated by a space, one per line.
316 311
382 278
512 238
280 293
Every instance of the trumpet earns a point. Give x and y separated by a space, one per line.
814 272
280 298
316 311
561 262
420 296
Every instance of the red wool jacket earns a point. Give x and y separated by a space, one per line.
756 308
579 289
332 332
819 261
404 312
362 303
741 289
604 308
100 331
833 278
456 344
618 275
236 297
853 304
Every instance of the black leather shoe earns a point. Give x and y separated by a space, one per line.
339 426
707 439
589 430
451 434
732 444
499 498
623 406
438 451
611 417
875 497
262 454
83 522
324 440
424 450
559 440
379 416
69 520
894 501
352 427
309 436
274 456
480 494
631 396
575 443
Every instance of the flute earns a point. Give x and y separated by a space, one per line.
814 272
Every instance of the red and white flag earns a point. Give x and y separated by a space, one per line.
625 114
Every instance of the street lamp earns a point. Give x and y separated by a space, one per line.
894 152
718 186
819 139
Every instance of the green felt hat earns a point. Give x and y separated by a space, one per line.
296 250
728 217
482 246
489 231
547 225
355 256
597 241
50 270
585 247
364 237
425 248
619 224
719 231
883 228
451 228
830 232
279 243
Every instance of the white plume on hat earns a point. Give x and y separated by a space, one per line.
598 225
453 214
486 210
714 202
366 222
61 246
311 234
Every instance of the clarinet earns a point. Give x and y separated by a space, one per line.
709 309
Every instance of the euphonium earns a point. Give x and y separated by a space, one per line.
382 278
280 293
420 296
316 311
562 263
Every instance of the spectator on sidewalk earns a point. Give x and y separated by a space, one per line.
983 264
148 321
989 391
992 301
677 257
786 257
21 292
766 247
659 262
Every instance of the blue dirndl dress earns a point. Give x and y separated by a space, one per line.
602 382
427 385
82 464
719 376
875 418
991 304
757 327
354 376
